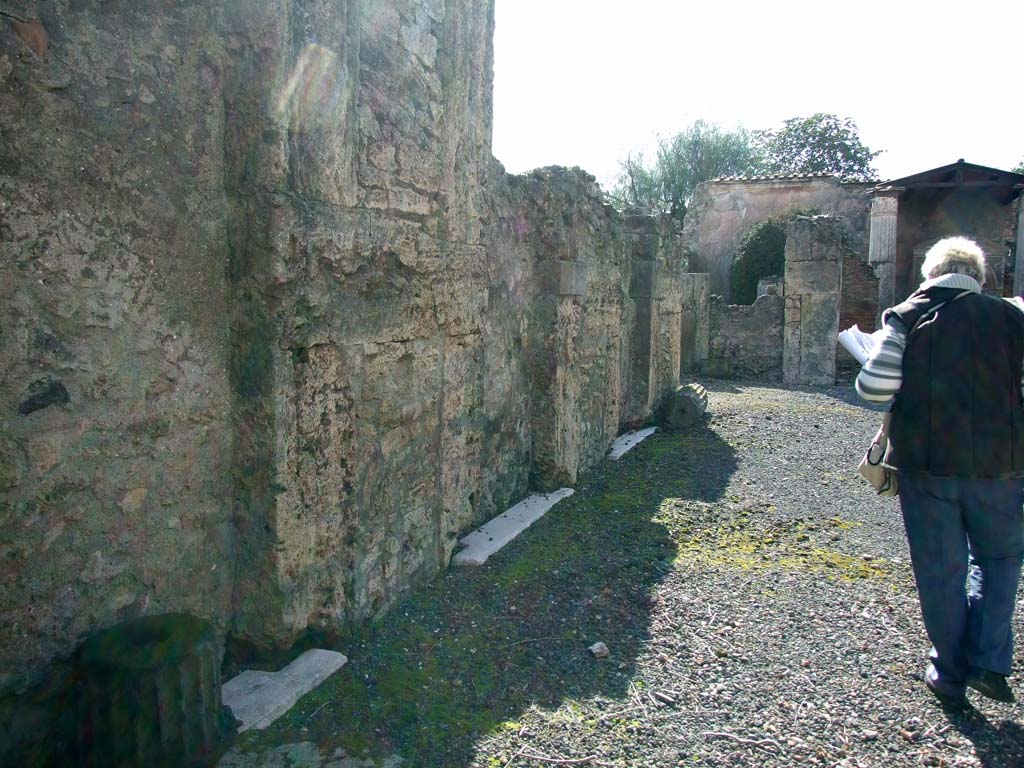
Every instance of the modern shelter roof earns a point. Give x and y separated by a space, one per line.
958 174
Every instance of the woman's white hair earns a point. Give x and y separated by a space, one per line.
954 256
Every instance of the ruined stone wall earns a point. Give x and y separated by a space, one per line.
360 276
115 432
723 211
276 328
602 315
745 340
115 438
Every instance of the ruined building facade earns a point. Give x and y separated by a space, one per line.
862 255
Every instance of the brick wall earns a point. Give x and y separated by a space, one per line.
858 304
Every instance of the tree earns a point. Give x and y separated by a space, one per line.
637 185
700 152
1019 168
821 143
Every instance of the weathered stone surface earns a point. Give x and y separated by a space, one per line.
815 250
694 321
627 441
746 340
257 698
722 212
115 497
596 361
483 542
771 284
276 328
683 408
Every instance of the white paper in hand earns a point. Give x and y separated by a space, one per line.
858 343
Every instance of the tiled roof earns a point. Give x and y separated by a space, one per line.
803 177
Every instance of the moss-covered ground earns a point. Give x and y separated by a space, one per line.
468 656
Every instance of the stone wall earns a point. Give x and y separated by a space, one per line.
745 339
602 317
723 211
115 430
276 328
115 438
695 321
358 159
815 253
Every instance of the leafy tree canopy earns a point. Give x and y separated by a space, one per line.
1019 168
700 152
821 143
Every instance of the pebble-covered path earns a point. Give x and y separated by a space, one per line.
755 597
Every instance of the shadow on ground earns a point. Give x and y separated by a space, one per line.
481 646
997 744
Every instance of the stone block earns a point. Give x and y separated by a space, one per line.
628 441
257 698
812 277
818 331
492 536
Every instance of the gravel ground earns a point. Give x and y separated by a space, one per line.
755 596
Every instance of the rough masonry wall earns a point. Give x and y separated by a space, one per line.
115 439
745 340
276 328
723 211
602 315
361 286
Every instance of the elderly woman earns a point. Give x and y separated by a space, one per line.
952 358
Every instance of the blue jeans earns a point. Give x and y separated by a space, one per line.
965 531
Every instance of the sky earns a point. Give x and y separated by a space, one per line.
586 82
